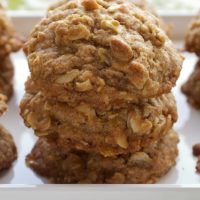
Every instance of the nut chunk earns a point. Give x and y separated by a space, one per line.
120 49
90 4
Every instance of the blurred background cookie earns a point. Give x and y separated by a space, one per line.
10 40
192 38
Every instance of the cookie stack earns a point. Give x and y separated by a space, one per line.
10 42
192 44
98 96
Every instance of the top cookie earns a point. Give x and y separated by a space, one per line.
192 38
90 47
10 41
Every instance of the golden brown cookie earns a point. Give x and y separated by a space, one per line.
102 53
8 151
192 87
10 41
120 130
6 77
146 166
192 38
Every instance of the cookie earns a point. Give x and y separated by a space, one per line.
8 151
102 53
73 166
120 130
6 77
192 87
192 38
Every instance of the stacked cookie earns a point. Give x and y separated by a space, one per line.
8 151
192 44
10 42
98 96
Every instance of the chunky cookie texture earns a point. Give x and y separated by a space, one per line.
6 77
120 130
142 4
192 87
192 38
72 166
102 53
10 41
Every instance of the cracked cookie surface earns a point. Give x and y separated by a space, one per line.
102 53
73 166
120 130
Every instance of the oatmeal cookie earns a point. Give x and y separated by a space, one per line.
192 38
192 87
6 77
120 130
101 52
73 166
10 41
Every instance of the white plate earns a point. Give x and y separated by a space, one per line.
188 127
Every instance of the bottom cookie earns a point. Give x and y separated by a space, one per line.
192 87
8 151
74 166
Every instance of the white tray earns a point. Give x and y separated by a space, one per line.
182 180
